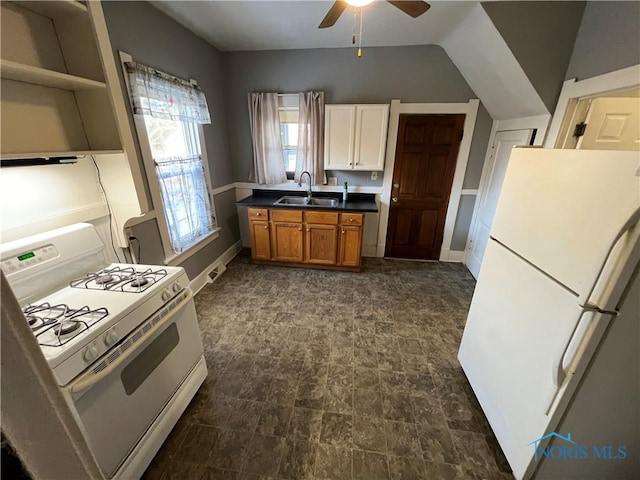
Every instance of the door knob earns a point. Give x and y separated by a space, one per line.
396 185
394 199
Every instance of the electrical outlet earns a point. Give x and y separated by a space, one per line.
374 175
333 181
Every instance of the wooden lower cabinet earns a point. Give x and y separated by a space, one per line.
307 238
321 244
260 240
287 242
350 245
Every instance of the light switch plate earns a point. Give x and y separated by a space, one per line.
333 181
374 175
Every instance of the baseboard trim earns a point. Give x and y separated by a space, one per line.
218 267
369 251
452 256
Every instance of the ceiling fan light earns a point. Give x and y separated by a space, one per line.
358 3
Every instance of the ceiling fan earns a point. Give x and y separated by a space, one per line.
413 8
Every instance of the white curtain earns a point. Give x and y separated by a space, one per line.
310 156
268 159
164 96
186 201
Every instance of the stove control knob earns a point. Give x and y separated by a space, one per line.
176 287
166 295
110 338
90 354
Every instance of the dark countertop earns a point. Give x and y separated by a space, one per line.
356 202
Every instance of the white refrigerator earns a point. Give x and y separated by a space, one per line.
552 337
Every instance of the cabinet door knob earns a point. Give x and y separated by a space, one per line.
266 227
308 229
396 185
351 219
343 232
258 214
300 229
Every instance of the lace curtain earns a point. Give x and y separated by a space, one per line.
185 200
164 96
310 155
268 159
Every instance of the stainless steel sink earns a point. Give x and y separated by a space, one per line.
305 202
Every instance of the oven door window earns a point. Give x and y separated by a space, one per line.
134 374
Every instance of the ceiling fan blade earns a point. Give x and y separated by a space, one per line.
413 8
333 14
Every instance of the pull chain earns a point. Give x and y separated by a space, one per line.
355 24
360 39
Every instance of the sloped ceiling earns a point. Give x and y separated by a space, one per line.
463 29
485 61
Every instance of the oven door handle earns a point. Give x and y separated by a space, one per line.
90 378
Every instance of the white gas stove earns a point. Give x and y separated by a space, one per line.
122 340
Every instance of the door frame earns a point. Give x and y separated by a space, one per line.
539 123
470 110
573 90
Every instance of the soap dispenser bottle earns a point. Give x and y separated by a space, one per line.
345 192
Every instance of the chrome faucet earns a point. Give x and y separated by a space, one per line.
309 193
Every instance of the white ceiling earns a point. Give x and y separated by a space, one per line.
275 25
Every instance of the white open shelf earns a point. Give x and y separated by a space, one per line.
57 9
46 78
75 153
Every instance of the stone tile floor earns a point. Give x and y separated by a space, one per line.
330 375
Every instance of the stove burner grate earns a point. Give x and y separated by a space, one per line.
55 325
65 328
120 279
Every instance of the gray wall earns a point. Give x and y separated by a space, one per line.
541 36
418 74
608 39
156 40
412 74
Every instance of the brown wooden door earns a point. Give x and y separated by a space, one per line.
425 162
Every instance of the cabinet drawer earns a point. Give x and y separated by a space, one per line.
259 214
286 215
328 218
351 218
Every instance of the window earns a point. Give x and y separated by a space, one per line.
169 113
288 106
175 147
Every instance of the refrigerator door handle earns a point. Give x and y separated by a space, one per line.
586 294
591 323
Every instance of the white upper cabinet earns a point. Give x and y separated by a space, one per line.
339 136
355 137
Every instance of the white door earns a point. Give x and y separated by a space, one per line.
339 134
503 143
612 124
371 137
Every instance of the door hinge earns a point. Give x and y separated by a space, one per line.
580 128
